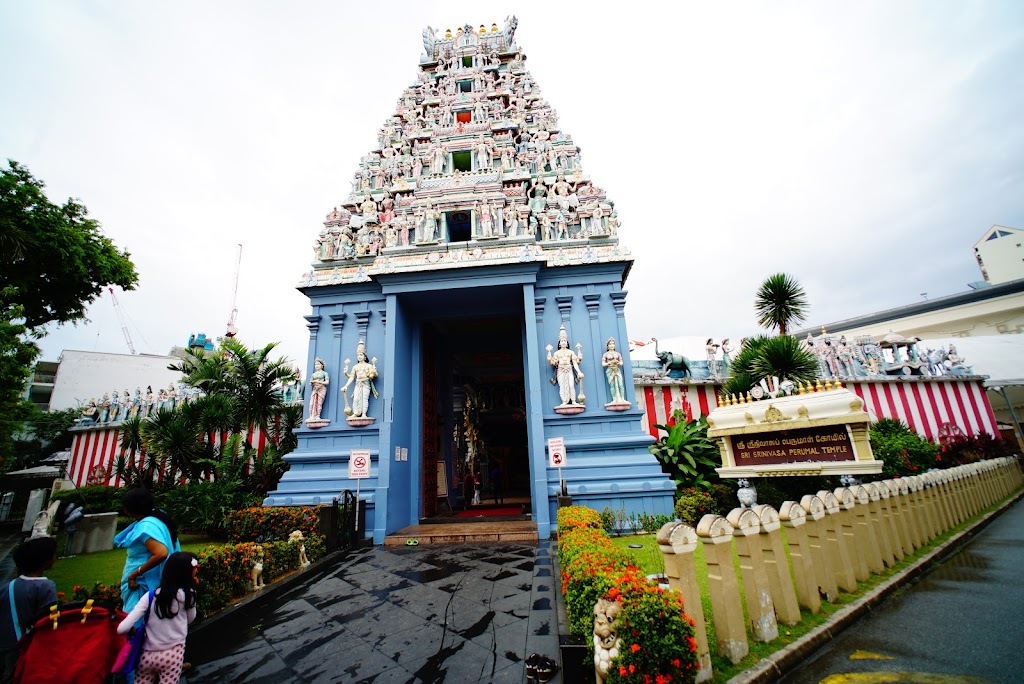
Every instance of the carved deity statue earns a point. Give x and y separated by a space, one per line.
567 369
485 218
361 379
712 351
611 360
318 382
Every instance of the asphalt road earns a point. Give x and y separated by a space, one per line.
962 622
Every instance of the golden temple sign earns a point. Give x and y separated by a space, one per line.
831 443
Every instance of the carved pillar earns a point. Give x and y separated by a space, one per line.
593 303
848 524
773 555
824 561
313 325
363 322
882 531
678 543
337 323
889 503
804 575
756 590
564 308
843 570
383 319
715 534
867 537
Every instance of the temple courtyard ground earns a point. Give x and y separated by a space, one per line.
446 613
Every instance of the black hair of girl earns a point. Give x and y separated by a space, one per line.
177 575
140 502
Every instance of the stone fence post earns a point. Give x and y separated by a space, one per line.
890 506
848 520
836 541
773 554
821 556
882 530
715 534
867 538
756 590
804 574
677 543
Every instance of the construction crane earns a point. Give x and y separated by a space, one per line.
121 319
232 328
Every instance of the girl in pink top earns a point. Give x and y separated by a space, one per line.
167 625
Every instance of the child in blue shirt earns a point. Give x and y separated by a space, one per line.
25 596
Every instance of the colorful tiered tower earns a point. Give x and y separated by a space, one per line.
470 242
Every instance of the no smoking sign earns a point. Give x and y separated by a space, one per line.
359 464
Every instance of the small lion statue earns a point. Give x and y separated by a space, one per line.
257 570
297 537
606 636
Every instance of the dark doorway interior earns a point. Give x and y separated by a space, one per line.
481 403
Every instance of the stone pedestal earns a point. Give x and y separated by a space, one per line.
715 534
756 590
773 555
95 533
804 574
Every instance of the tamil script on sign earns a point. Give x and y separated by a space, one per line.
794 446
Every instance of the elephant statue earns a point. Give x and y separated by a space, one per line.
671 361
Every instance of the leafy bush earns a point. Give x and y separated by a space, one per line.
98 591
902 451
95 499
205 506
960 449
652 523
574 517
693 504
657 636
686 453
725 497
268 523
225 571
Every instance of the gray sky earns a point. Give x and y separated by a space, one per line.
862 147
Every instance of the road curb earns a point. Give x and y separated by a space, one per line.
785 660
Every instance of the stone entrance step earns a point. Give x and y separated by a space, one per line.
460 533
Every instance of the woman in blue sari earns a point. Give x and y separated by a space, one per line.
149 541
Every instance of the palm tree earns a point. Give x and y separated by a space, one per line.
765 357
173 443
256 382
780 302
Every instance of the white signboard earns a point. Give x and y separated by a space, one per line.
556 452
359 464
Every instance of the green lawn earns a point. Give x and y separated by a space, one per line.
106 566
648 558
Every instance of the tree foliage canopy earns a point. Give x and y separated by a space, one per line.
55 257
54 261
780 302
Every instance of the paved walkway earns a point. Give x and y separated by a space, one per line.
451 613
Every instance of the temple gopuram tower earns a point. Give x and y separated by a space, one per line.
467 307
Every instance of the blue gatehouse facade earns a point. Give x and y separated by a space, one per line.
468 307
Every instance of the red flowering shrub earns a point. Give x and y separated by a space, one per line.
99 592
960 449
693 504
271 523
657 637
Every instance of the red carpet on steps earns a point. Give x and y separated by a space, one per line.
489 511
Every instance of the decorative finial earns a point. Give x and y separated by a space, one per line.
828 384
749 399
818 387
837 384
823 331
494 28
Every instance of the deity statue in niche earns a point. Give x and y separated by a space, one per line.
318 382
486 219
361 379
567 372
612 362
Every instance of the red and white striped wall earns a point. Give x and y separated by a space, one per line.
925 404
98 448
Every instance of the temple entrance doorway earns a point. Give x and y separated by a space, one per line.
475 438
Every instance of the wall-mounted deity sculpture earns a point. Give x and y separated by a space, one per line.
318 382
360 378
567 374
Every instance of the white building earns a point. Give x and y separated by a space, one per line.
1000 254
83 375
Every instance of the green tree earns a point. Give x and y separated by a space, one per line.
686 453
780 302
55 261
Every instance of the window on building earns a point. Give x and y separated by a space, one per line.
462 161
464 117
465 86
460 225
467 61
